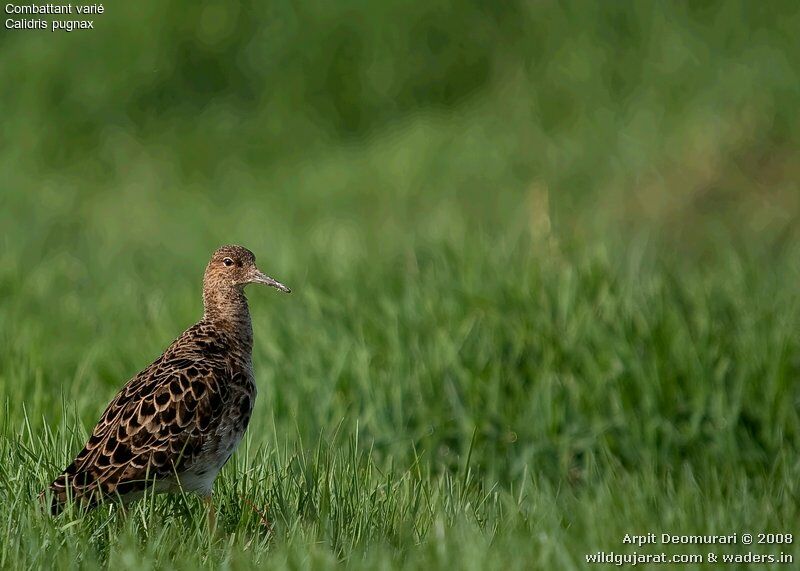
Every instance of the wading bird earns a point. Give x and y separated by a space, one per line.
175 424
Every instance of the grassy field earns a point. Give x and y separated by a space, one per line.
544 279
492 408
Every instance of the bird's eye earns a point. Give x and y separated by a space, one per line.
228 262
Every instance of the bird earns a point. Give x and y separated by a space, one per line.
174 425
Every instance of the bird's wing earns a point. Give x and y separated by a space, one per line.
153 429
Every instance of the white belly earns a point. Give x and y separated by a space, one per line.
200 477
219 447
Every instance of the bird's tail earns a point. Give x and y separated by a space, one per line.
73 485
58 495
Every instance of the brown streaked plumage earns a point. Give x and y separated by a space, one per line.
175 424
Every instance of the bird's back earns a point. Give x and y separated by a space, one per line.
174 424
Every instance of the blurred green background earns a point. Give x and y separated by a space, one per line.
564 233
366 127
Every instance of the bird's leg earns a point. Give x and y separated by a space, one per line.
264 519
211 513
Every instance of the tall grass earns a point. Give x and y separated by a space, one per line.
499 408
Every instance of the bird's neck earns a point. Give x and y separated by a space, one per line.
227 309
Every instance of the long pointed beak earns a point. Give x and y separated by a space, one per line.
261 278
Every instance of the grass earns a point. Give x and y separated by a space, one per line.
519 418
544 278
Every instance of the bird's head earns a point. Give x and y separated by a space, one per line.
235 266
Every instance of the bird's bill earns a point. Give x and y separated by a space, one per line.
261 278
